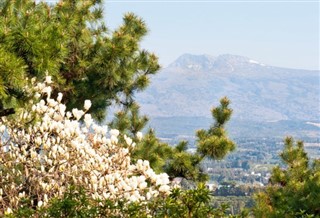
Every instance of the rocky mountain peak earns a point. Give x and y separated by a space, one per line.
206 62
192 83
194 62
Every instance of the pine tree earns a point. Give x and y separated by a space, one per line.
185 164
214 142
130 122
293 191
176 161
69 41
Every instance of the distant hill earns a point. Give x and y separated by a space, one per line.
192 84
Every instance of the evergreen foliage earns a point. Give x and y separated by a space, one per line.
153 150
180 204
176 161
214 142
185 164
69 41
294 191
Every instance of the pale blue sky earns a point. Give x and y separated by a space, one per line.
278 33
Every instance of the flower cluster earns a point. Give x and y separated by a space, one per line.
46 149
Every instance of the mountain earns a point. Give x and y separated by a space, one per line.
192 84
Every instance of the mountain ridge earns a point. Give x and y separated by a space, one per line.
192 84
227 58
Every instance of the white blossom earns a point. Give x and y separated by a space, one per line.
59 98
40 203
64 150
114 132
2 128
47 90
139 136
128 140
87 104
165 189
77 113
62 109
88 120
8 211
48 80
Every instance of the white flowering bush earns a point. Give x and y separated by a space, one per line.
44 150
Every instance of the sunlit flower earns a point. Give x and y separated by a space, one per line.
2 128
139 136
88 120
77 113
128 140
114 139
59 98
58 149
40 203
48 80
62 109
37 95
114 132
164 188
87 104
8 211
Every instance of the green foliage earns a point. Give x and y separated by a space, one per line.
176 161
26 210
129 121
151 149
190 203
181 203
70 42
214 143
10 79
185 164
294 191
74 204
237 205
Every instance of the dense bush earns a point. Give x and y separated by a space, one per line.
45 150
293 191
180 203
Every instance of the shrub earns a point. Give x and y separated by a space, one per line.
45 150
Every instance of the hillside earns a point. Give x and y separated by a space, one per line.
259 93
193 83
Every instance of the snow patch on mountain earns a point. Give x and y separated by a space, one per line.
314 124
256 62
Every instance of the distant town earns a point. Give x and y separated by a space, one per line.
251 162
